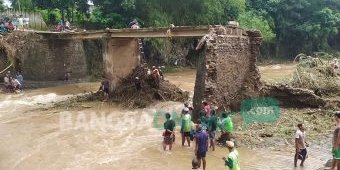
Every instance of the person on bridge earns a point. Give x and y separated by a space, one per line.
67 25
26 21
15 22
21 23
133 24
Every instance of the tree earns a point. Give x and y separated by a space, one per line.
22 4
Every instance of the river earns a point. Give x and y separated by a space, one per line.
103 136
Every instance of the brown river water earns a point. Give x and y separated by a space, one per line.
102 136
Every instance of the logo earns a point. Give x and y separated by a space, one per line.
261 110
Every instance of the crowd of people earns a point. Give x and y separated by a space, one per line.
204 133
13 83
13 22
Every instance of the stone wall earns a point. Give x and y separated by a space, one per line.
50 59
230 71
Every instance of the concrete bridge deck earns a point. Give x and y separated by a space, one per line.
182 31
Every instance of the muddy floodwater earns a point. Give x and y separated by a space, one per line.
102 136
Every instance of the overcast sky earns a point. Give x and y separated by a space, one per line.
6 2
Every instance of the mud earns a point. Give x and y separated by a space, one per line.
32 137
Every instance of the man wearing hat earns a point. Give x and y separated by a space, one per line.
232 162
201 146
186 126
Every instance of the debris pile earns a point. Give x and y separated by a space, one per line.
316 74
293 97
150 91
131 96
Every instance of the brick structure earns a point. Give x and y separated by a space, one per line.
228 72
49 59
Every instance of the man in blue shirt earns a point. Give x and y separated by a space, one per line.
201 146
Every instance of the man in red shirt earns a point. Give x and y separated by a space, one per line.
206 108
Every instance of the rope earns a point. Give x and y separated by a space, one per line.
6 68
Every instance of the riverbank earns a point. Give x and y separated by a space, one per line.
37 132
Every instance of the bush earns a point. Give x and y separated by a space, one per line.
51 17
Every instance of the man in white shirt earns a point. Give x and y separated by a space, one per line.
300 145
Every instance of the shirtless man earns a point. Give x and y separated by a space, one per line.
336 143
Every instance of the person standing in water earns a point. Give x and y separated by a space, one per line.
186 126
105 88
232 162
201 146
336 143
169 126
227 128
212 126
300 145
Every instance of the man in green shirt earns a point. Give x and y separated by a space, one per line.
169 126
227 128
212 125
186 126
232 162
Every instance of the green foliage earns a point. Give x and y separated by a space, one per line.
289 27
44 15
24 4
54 17
251 20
